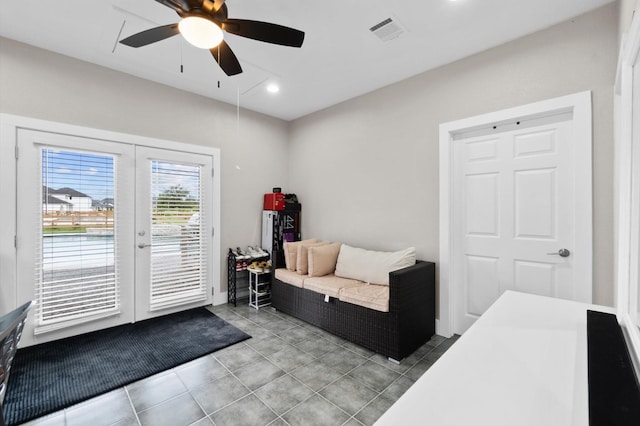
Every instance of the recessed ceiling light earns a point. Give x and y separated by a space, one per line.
273 88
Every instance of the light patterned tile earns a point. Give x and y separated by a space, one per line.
283 393
399 386
220 393
268 346
180 411
178 396
249 411
258 374
107 409
200 371
155 389
290 358
317 347
315 375
374 375
419 369
315 411
238 357
372 412
341 360
348 394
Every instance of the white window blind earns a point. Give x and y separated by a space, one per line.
178 243
77 256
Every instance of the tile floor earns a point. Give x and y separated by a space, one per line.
289 373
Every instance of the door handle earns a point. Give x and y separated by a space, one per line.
143 245
563 252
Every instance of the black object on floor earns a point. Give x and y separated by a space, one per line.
51 376
614 393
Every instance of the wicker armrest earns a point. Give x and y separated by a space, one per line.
411 286
412 306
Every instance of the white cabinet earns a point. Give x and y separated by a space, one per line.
523 363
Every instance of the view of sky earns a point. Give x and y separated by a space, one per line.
166 175
90 174
93 174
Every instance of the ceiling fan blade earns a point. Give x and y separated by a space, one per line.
151 36
211 6
227 60
264 31
221 14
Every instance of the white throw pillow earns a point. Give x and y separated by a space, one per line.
372 266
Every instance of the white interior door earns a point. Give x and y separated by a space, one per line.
174 232
514 221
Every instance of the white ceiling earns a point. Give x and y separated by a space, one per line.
340 58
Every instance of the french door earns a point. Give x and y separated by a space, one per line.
173 234
109 233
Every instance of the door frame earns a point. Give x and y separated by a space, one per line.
580 105
9 126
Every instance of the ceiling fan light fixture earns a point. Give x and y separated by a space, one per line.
200 32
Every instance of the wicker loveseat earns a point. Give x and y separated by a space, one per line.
407 324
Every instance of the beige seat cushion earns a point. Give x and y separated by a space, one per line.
322 259
291 253
302 260
289 277
368 295
330 284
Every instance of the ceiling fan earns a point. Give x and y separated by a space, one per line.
202 24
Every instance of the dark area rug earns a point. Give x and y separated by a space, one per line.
51 376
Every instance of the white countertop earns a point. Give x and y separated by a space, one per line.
524 362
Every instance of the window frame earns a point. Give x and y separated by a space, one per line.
627 190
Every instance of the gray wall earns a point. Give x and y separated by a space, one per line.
366 170
45 85
627 9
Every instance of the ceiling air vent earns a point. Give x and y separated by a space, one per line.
387 30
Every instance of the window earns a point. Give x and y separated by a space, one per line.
178 249
76 267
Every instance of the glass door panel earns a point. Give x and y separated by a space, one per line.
76 268
74 235
174 233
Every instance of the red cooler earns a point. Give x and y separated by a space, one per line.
274 201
